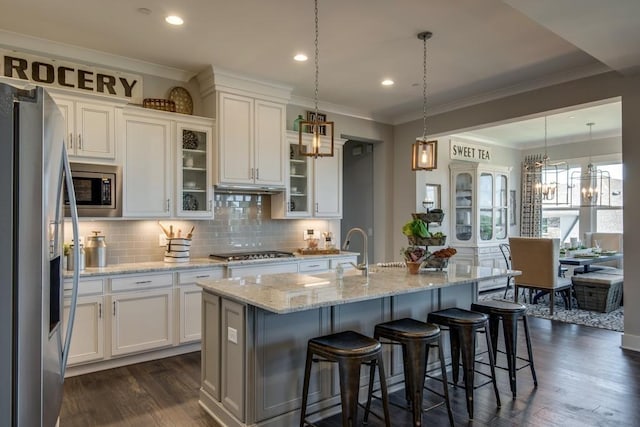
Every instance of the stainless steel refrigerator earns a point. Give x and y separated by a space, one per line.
33 346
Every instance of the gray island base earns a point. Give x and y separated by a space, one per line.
255 332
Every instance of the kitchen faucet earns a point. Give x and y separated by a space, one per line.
364 267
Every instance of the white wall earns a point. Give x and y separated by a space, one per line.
568 94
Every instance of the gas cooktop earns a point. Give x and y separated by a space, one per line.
242 256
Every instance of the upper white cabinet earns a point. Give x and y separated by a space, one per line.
251 135
314 186
147 189
90 127
168 165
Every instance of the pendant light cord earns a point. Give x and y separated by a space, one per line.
424 90
317 63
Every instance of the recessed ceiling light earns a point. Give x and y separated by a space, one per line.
301 57
387 82
174 20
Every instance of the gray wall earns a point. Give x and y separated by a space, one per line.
576 92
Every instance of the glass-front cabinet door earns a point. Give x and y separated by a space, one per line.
194 181
480 203
300 191
464 206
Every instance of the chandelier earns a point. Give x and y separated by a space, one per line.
425 153
547 175
316 125
594 183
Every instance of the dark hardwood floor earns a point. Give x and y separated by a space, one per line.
584 379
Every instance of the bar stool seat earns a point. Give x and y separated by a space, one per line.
416 338
509 313
463 325
349 349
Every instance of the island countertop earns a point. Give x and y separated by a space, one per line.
291 292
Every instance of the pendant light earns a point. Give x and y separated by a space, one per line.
425 153
316 126
594 183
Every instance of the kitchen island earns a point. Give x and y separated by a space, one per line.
256 328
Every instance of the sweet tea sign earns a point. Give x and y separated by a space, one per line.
470 152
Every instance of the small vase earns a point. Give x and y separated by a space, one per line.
413 267
296 123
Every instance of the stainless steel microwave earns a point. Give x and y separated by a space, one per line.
98 190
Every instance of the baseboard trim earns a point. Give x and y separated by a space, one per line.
630 342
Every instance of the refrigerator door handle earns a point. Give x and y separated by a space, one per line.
76 255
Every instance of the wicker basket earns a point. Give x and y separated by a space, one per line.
426 241
429 217
598 296
159 104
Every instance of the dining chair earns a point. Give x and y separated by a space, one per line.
506 254
537 259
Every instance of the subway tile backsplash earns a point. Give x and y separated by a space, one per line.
242 222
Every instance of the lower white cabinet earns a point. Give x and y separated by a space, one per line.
87 339
141 321
257 269
190 302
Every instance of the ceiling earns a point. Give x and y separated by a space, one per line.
480 49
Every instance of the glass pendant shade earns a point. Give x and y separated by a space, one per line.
425 155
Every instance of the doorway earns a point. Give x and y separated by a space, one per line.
357 205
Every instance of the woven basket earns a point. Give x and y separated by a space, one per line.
159 104
598 297
429 216
437 263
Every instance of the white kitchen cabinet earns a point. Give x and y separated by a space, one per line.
147 187
90 127
263 268
87 339
314 186
251 141
141 321
190 302
194 183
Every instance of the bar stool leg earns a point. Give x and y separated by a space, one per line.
468 345
510 328
305 387
528 339
383 388
445 383
417 352
492 365
454 340
494 327
349 384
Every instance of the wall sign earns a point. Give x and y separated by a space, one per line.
470 152
53 72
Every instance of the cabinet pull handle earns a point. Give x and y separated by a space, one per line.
257 173
316 207
211 205
313 265
142 282
70 140
80 141
202 277
288 206
167 208
114 308
99 310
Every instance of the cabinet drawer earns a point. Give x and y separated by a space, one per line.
85 287
190 277
130 283
314 265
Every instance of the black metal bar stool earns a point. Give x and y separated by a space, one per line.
349 350
416 338
509 313
463 326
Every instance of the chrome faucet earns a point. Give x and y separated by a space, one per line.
364 267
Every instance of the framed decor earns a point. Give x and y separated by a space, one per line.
512 207
431 196
311 117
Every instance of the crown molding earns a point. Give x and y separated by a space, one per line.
242 84
338 109
49 48
548 80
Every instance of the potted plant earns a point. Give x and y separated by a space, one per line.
413 257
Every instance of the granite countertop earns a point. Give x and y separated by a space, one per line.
159 266
290 292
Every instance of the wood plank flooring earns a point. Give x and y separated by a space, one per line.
584 379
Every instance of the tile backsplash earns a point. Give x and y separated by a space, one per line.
242 222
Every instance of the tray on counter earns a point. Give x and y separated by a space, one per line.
315 251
